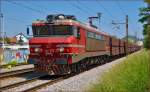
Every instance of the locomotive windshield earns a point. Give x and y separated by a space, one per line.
52 30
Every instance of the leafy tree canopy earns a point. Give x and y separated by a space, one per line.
148 1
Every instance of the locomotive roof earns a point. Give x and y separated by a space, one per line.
72 22
85 26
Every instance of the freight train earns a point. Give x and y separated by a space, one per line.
63 45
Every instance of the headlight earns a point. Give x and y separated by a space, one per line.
37 49
61 49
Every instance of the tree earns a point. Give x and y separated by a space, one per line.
6 40
148 1
145 20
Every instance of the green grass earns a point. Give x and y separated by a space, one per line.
13 64
132 75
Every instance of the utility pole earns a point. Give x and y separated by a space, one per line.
1 24
1 16
136 39
126 26
126 34
1 28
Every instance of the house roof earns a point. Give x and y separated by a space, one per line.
22 35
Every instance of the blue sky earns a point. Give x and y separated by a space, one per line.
20 13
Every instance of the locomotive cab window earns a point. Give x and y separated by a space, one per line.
76 31
52 30
62 30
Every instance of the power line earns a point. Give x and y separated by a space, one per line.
84 5
107 11
42 7
78 7
25 6
119 6
17 20
99 14
124 13
81 9
99 3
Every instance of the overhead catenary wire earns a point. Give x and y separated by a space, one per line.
105 9
83 5
79 8
121 9
86 12
44 9
124 13
111 16
41 12
32 9
25 6
17 20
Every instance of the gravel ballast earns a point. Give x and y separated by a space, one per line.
79 83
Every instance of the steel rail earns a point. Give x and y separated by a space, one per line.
51 82
18 83
15 72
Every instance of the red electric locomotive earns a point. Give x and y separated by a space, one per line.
63 45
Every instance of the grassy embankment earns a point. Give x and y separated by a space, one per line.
132 75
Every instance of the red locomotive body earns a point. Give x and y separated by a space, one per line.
62 45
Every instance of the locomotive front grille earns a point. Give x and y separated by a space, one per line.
43 68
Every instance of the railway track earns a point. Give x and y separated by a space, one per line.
17 86
16 72
18 83
50 82
40 83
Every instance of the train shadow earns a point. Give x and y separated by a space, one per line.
49 77
40 76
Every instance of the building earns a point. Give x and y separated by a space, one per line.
16 49
140 43
21 38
